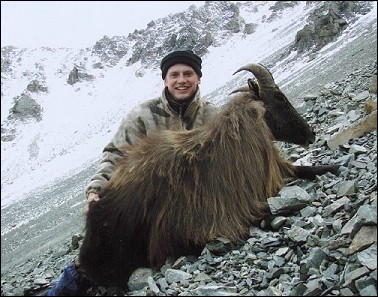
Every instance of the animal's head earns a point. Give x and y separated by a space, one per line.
282 118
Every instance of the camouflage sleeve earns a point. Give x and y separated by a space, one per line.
131 128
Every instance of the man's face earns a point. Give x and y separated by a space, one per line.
181 81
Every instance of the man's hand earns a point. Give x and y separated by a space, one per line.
91 197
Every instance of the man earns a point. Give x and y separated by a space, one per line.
180 107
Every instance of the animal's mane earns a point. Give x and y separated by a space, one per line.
217 167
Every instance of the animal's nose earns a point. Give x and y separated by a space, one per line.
313 136
310 138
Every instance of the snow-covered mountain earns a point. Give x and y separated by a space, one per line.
59 107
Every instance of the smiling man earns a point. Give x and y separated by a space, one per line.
181 72
179 107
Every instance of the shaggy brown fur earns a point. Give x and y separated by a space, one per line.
176 191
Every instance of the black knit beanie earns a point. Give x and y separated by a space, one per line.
186 57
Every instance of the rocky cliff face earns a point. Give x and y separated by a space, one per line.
197 28
326 23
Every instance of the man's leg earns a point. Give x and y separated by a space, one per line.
70 283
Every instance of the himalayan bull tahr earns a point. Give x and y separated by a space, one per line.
175 191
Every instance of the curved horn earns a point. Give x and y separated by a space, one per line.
241 89
261 73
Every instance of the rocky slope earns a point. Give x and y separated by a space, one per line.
325 246
328 247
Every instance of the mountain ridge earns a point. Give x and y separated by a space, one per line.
56 83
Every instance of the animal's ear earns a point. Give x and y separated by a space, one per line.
253 86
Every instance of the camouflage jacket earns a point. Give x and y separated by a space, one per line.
150 116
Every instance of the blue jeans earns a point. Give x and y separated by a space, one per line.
71 283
